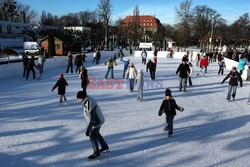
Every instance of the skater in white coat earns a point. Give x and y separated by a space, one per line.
131 75
139 83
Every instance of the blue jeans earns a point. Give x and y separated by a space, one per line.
124 71
112 72
131 83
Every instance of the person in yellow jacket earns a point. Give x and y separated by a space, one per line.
110 63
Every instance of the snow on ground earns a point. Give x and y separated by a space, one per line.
35 131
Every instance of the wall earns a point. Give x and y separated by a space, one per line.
231 63
16 69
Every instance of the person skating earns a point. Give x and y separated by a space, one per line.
40 71
30 67
95 119
184 72
70 62
121 54
110 63
221 66
144 56
203 66
78 62
98 57
198 57
235 77
139 83
83 57
155 60
84 78
94 57
131 75
25 64
152 68
190 74
61 84
41 60
242 64
169 107
125 67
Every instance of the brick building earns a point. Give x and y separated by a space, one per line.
147 22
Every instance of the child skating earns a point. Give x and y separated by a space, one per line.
95 119
169 107
61 84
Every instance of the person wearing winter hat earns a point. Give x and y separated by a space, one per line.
183 71
235 77
169 107
61 84
139 83
95 119
131 75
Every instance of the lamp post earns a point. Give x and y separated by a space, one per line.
113 37
217 39
145 36
165 42
211 39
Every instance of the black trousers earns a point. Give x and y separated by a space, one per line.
221 70
169 120
69 66
78 68
95 138
24 71
28 73
152 74
190 81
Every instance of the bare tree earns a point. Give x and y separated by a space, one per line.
25 13
104 10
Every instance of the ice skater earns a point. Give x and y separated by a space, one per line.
235 77
40 70
25 64
190 74
84 78
221 66
169 107
61 84
144 56
70 62
203 66
126 64
30 67
184 72
152 68
95 119
110 63
139 83
131 75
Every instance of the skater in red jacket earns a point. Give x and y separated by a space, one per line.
203 66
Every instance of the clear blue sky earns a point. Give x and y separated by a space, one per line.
163 9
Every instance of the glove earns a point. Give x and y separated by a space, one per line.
181 109
52 90
87 133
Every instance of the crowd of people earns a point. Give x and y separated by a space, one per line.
91 110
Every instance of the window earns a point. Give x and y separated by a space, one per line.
1 29
58 46
8 29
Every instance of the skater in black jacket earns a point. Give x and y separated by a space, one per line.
61 84
235 77
152 68
169 107
25 64
30 67
184 72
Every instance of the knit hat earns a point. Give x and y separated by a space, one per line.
81 95
60 76
168 92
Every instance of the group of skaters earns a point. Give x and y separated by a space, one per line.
92 111
29 66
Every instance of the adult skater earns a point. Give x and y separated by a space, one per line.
190 74
30 67
221 66
98 57
84 78
41 60
235 77
78 62
95 119
121 54
110 63
131 75
125 67
94 57
242 64
152 68
40 71
144 56
84 56
25 64
139 83
198 58
169 107
184 72
203 66
70 62
61 84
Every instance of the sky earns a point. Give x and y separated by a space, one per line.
162 9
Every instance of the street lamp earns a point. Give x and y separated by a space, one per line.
217 39
145 36
211 39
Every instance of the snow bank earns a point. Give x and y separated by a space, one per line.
165 54
231 63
